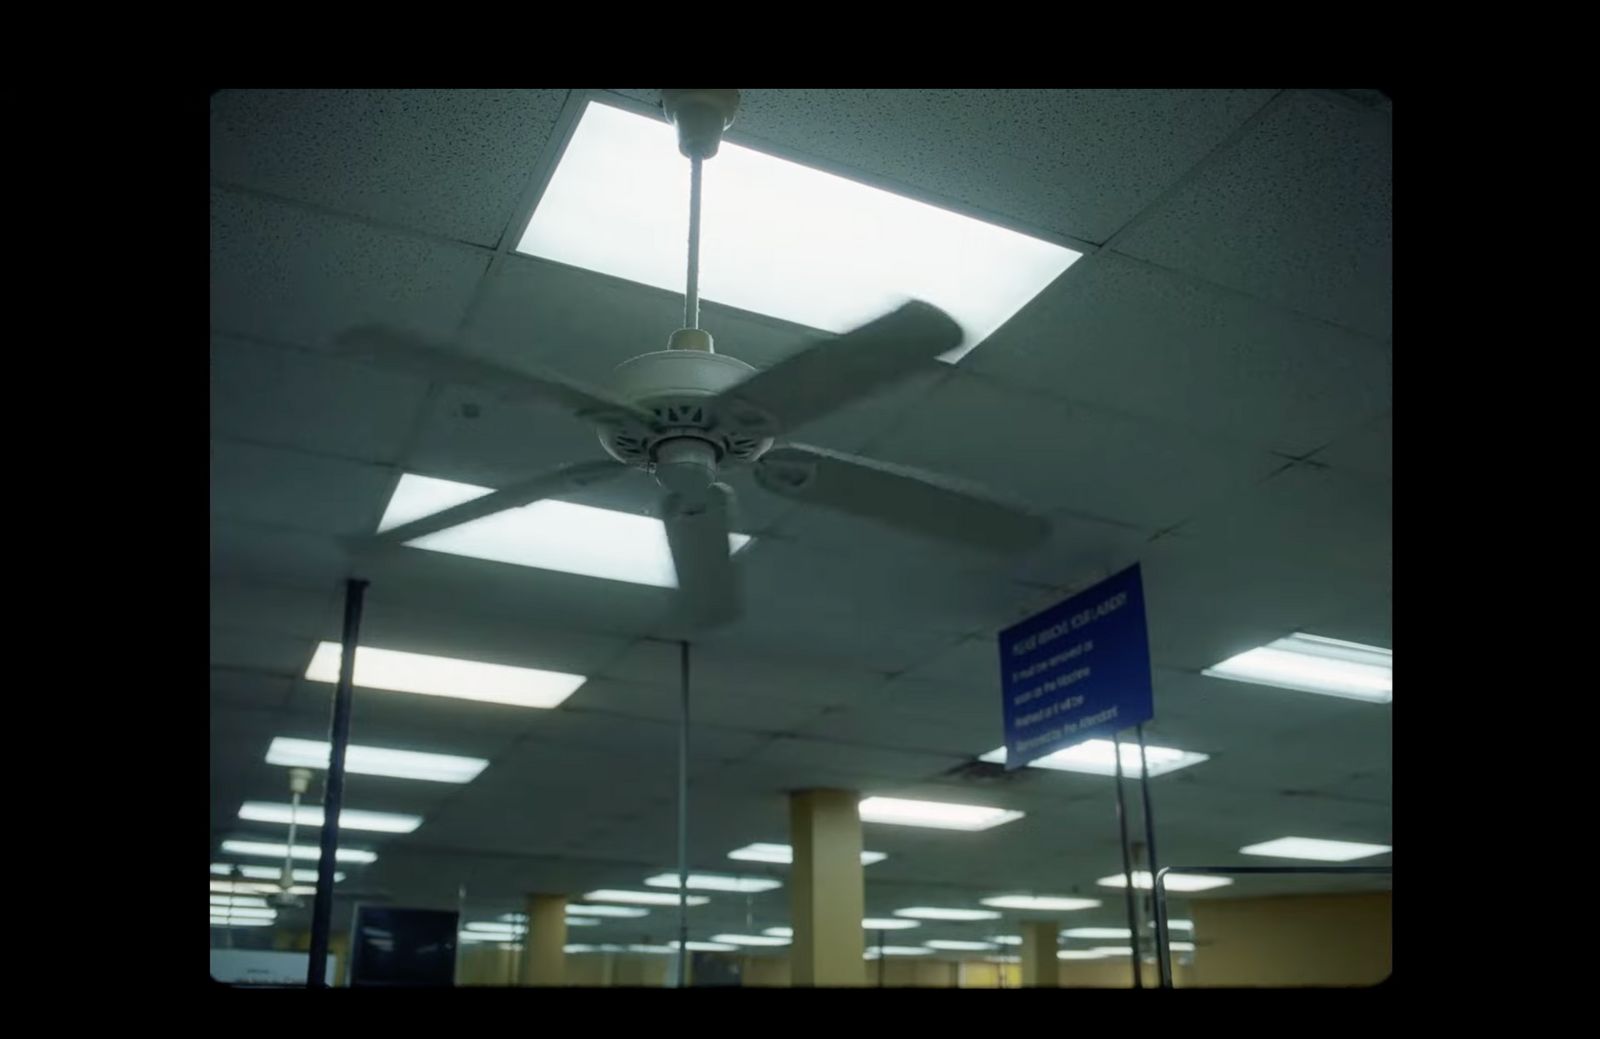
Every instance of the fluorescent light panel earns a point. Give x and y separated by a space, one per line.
715 882
426 675
898 950
953 945
694 946
300 851
777 238
1098 932
783 854
879 923
1006 939
1051 903
938 815
750 939
941 913
1173 882
1093 757
1313 664
1316 849
1080 954
545 535
245 869
239 901
234 921
625 912
244 912
644 898
311 815
377 761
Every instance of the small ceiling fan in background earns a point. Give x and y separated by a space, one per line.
686 413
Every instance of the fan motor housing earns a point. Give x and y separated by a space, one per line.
677 387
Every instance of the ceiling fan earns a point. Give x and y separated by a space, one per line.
686 413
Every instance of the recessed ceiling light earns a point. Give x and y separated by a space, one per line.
311 815
1313 664
245 869
1315 849
694 946
777 238
1172 882
1093 757
779 932
1097 932
487 936
494 927
879 923
1080 954
750 939
1112 950
300 851
377 761
1180 946
1180 925
242 887
1055 903
244 912
239 901
644 898
546 535
715 882
958 946
1006 939
655 949
783 854
939 913
897 950
426 675
615 911
939 815
236 921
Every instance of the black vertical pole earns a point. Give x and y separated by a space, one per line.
355 590
683 814
1127 868
880 959
1154 863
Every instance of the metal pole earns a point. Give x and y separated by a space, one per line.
683 800
691 298
355 591
1153 863
880 959
1127 868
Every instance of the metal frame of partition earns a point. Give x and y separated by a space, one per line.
1158 885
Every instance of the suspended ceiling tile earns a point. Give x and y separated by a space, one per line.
1298 212
1368 450
294 489
252 551
278 609
283 273
792 676
254 650
294 398
1074 162
1138 340
448 162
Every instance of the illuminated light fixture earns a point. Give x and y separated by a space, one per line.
234 921
1315 849
604 947
938 815
715 882
311 815
1172 882
582 921
1097 932
1313 664
492 927
244 869
879 923
244 912
300 851
953 945
1093 757
616 911
545 535
897 950
1051 903
486 936
750 939
643 898
1181 946
694 946
239 901
783 854
1080 954
1180 925
1112 950
425 675
243 887
651 948
1006 939
938 913
778 238
779 932
377 761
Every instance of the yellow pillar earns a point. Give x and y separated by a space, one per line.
1040 966
544 957
827 897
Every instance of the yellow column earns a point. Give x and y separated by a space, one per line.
1292 940
827 897
1040 966
544 957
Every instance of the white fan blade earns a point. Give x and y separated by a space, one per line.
403 351
910 499
545 485
833 372
697 532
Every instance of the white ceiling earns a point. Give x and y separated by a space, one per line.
1206 392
